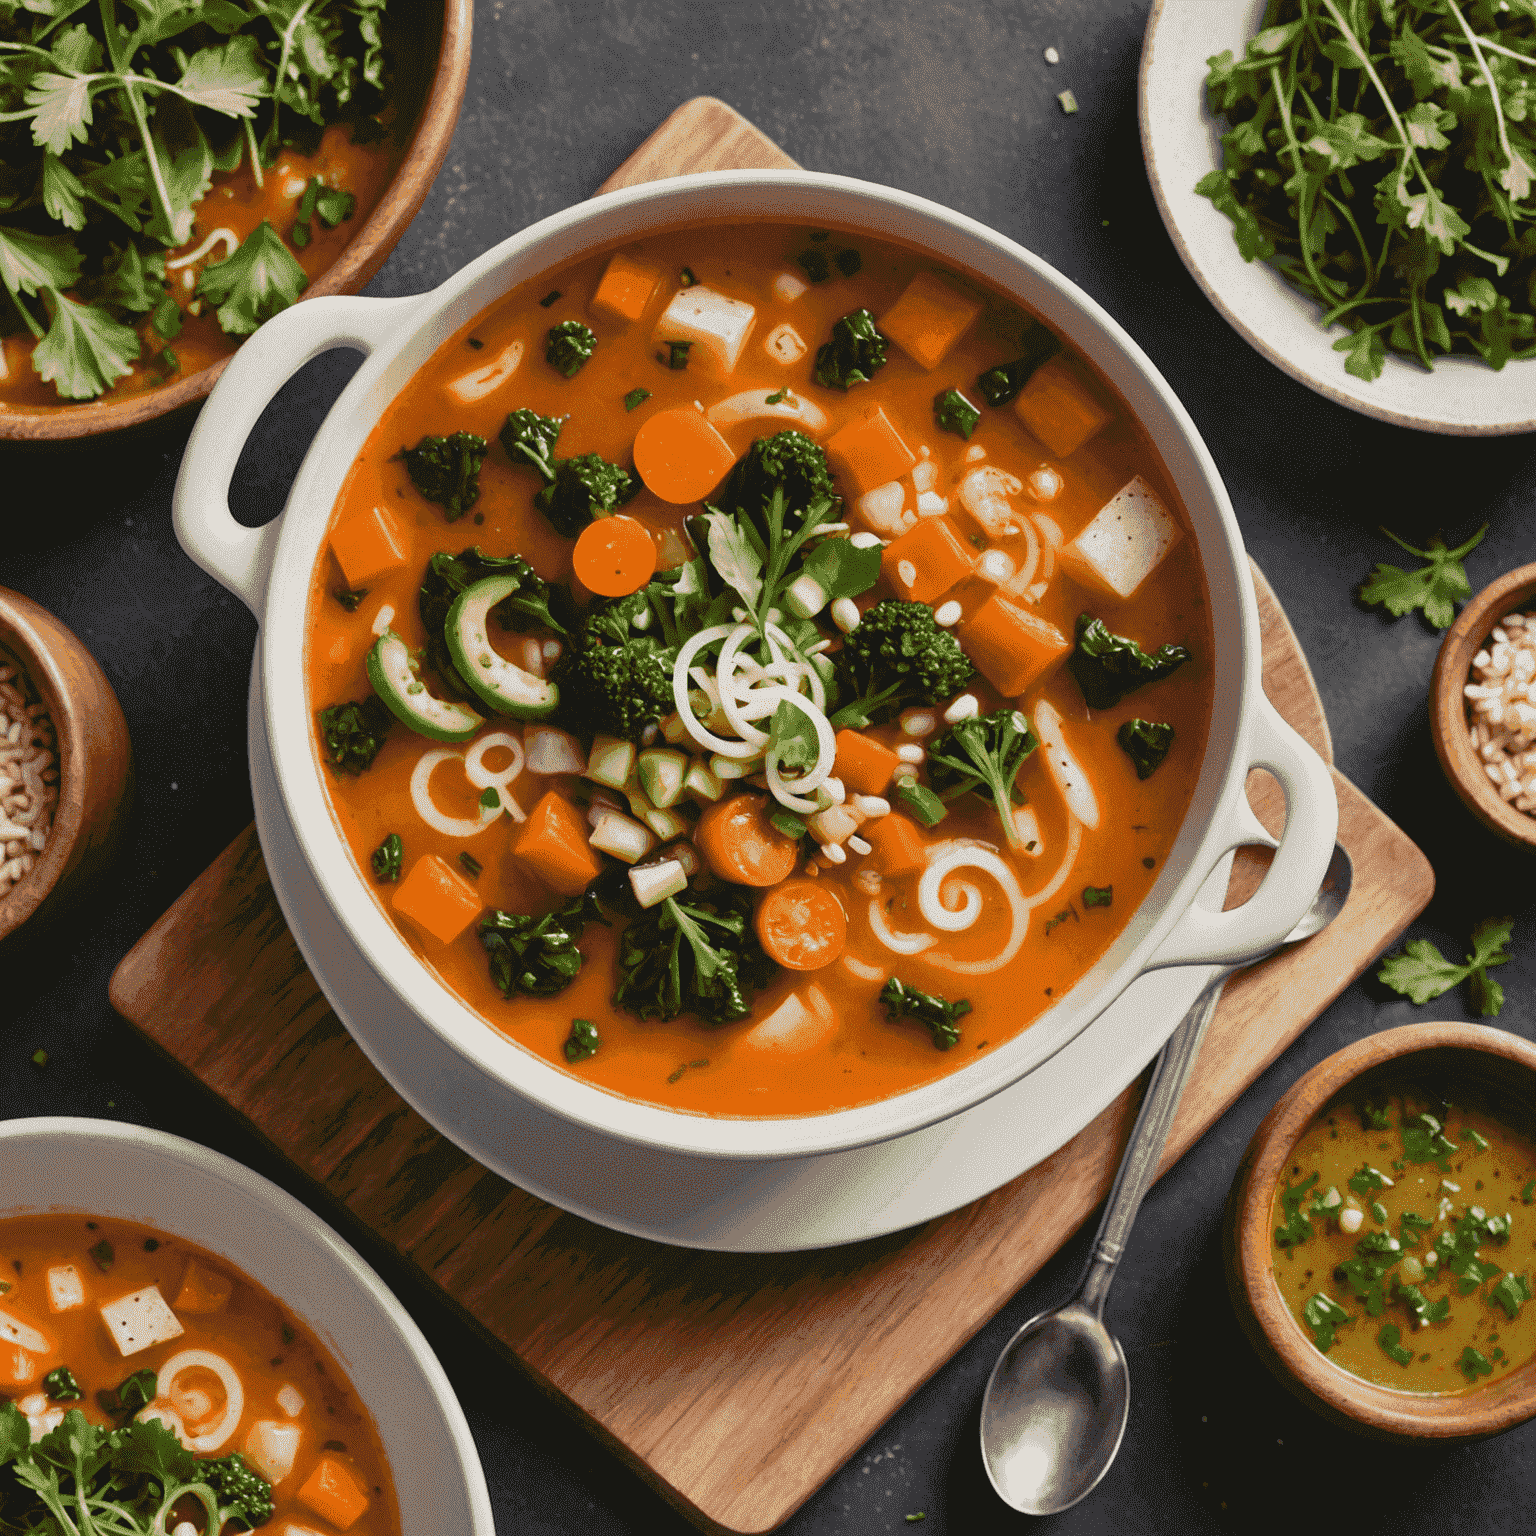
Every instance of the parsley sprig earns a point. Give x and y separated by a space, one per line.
1421 972
1436 587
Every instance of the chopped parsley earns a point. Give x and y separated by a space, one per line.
1388 1338
939 1015
1098 895
1323 1315
1296 1228
568 346
386 858
636 397
1425 1141
582 1041
954 413
1367 1179
1473 1364
1421 972
1510 1293
1436 587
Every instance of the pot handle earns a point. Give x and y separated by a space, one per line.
241 557
1203 937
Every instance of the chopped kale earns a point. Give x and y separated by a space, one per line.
1366 1178
1322 1314
1473 1364
854 354
1409 1225
815 265
938 1015
1146 743
584 488
530 438
636 397
537 956
129 1395
897 657
700 958
1511 1293
983 755
582 1041
386 858
354 733
1107 667
61 1386
849 262
1297 1227
954 413
447 470
1001 384
1098 895
568 346
1425 1141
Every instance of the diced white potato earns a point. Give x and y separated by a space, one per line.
753 404
802 1022
551 751
715 324
787 287
931 504
290 1400
21 1366
294 1529
1124 543
23 1335
784 344
479 382
66 1289
140 1320
272 1447
984 493
881 507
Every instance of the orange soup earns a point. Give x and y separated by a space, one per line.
199 1393
758 670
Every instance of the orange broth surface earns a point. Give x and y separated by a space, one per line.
237 204
729 1070
221 1312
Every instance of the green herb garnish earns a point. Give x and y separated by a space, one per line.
1146 743
386 858
1002 384
349 597
536 956
1322 1314
1388 1338
1098 895
676 355
568 346
777 397
354 733
1425 1141
552 297
1367 1179
582 1041
940 1016
815 265
1436 587
1473 1364
849 262
920 801
854 354
1510 1293
1108 666
1297 1227
1421 972
954 413
447 470
61 1386
636 397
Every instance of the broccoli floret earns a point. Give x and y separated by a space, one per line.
447 470
354 733
789 461
537 956
614 690
853 354
936 1013
585 487
568 346
531 438
701 957
983 754
243 1493
897 656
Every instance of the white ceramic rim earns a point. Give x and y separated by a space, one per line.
1181 141
417 327
328 1285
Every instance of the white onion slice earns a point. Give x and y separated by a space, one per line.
752 404
483 778
1059 879
680 679
421 798
901 943
476 385
862 971
1064 768
1026 572
949 857
234 1395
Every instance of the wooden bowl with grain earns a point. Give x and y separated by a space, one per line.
1449 725
91 752
431 48
1489 1060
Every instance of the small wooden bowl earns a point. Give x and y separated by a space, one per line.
432 50
1453 1051
95 762
1448 705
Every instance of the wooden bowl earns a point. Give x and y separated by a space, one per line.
95 762
432 66
1458 1052
1448 705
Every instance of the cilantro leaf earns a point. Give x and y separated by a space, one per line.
258 281
85 351
1296 1227
1473 1364
1421 972
61 110
229 80
1510 1293
1322 1314
29 262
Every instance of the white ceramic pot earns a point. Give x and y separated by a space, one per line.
130 1173
270 569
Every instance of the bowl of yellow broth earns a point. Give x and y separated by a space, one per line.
1381 1234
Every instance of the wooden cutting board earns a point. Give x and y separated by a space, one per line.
736 1384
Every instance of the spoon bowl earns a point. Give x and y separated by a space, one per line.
1058 1399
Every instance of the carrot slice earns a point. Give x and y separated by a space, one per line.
553 844
739 843
333 1492
680 456
367 544
802 925
614 556
863 764
439 900
203 1289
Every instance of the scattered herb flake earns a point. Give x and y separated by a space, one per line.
777 397
954 413
60 1384
636 397
1067 102
1388 1338
676 355
582 1041
849 262
349 597
1323 1315
552 297
1473 1364
103 1255
687 277
39 1058
490 798
1098 895
1510 1293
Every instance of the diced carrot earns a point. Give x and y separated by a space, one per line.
626 288
869 452
680 456
741 845
439 900
1011 645
928 319
368 544
863 764
801 925
926 561
202 1289
333 1492
553 844
614 556
1057 406
898 845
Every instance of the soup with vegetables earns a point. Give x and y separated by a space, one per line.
757 669
154 1385
1403 1237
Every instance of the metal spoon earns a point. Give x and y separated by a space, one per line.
1057 1400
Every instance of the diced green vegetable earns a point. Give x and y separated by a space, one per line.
854 353
1107 666
583 1040
386 858
611 761
354 733
447 470
954 413
661 771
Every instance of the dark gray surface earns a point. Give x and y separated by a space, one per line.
955 103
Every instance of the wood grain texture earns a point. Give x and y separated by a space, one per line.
736 1384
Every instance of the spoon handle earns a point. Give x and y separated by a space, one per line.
1144 1151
